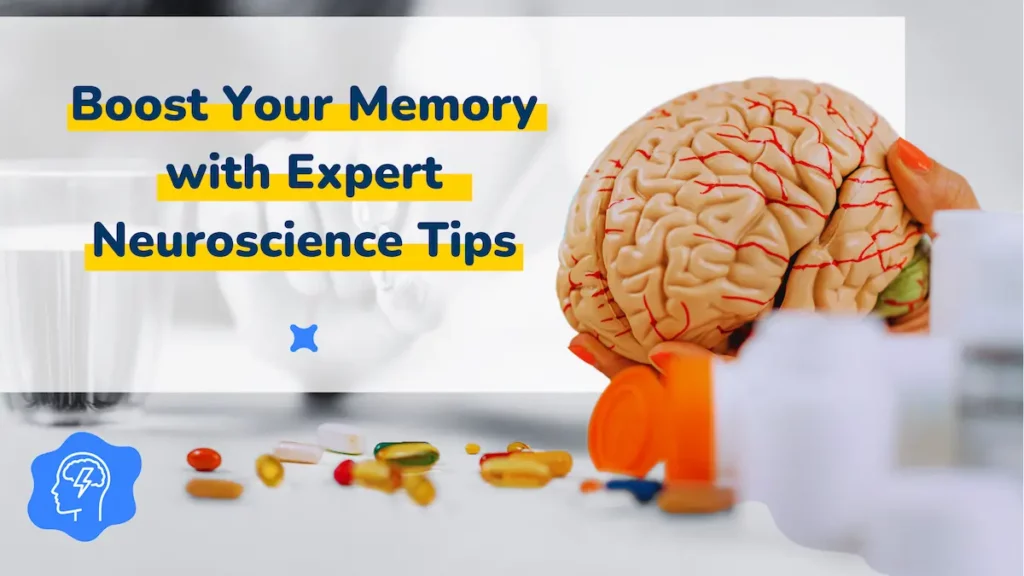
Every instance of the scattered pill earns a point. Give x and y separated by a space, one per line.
343 473
472 449
340 438
204 459
492 455
378 475
558 461
270 470
643 490
383 445
515 473
517 447
214 488
590 485
401 448
298 453
419 488
695 499
411 457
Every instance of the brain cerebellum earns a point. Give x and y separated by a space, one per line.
726 202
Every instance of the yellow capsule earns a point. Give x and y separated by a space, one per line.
515 473
517 447
377 475
558 462
472 449
419 488
214 488
270 470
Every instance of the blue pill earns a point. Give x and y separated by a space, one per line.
643 490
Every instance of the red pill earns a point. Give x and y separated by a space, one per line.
204 459
343 473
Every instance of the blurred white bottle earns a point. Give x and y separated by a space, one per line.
946 523
923 369
729 397
977 301
818 442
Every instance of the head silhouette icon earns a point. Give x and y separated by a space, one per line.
82 481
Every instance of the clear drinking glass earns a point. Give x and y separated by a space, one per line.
77 347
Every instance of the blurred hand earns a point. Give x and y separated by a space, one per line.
593 352
925 186
364 319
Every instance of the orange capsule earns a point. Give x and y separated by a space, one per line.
589 486
491 455
696 499
559 461
204 459
375 474
215 488
515 473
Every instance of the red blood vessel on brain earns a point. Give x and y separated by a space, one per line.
732 200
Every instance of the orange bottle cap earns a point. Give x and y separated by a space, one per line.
689 390
629 430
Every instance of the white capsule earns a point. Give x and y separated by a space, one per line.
340 438
298 452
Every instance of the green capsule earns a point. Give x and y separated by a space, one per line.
409 456
418 443
421 460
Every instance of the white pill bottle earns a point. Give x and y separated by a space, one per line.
816 431
977 302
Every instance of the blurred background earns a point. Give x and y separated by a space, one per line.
206 303
982 140
942 75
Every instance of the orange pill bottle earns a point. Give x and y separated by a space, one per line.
686 417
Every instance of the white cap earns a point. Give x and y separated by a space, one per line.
977 278
813 345
817 433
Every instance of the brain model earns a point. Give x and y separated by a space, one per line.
727 202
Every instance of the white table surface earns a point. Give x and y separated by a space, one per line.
311 525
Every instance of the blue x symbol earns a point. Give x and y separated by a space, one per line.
302 338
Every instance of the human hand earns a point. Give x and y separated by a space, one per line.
925 187
590 350
364 319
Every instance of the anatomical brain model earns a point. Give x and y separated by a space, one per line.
732 200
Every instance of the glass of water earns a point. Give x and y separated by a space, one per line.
77 347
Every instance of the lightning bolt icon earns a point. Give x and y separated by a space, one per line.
82 481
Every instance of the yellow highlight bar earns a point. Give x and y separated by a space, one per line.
454 188
414 258
336 119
